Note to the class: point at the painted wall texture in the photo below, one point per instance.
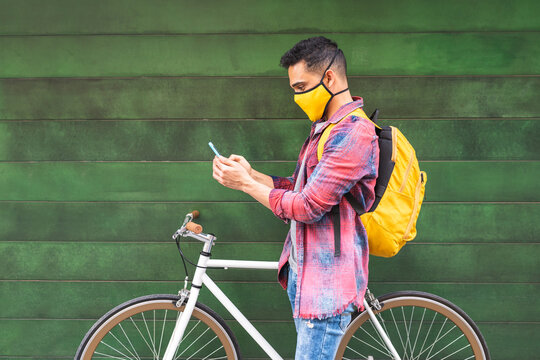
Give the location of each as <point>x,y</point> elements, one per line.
<point>106,108</point>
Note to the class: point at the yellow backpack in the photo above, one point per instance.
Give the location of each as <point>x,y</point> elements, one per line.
<point>399,192</point>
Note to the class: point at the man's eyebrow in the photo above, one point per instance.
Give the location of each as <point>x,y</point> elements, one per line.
<point>298,83</point>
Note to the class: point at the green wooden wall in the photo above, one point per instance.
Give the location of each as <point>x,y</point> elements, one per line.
<point>106,107</point>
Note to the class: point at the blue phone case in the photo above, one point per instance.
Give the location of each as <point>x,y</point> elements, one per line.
<point>213,148</point>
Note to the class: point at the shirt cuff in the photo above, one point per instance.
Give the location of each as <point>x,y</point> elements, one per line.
<point>281,182</point>
<point>275,198</point>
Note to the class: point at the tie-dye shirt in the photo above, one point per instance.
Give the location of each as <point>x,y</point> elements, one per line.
<point>327,284</point>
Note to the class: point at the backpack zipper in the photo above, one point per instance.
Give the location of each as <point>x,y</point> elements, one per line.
<point>415,207</point>
<point>394,144</point>
<point>409,166</point>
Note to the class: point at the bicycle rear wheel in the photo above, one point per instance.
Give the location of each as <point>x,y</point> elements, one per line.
<point>141,329</point>
<point>421,326</point>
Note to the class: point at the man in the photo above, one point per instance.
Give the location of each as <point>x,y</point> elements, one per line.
<point>323,283</point>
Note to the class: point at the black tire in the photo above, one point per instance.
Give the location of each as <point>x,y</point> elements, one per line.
<point>420,325</point>
<point>117,335</point>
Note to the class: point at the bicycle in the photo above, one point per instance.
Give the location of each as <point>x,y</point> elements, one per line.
<point>400,325</point>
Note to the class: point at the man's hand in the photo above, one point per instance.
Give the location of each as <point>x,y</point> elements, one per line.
<point>257,176</point>
<point>242,161</point>
<point>233,174</point>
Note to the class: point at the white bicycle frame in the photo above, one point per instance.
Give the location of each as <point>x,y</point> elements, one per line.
<point>201,278</point>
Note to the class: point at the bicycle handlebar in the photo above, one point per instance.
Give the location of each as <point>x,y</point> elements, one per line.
<point>196,228</point>
<point>193,230</point>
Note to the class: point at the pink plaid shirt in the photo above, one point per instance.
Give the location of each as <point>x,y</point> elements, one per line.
<point>327,284</point>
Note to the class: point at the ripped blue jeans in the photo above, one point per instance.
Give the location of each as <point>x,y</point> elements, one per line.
<point>317,339</point>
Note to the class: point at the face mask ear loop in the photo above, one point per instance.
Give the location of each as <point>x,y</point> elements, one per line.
<point>342,91</point>
<point>328,67</point>
<point>332,95</point>
<point>331,62</point>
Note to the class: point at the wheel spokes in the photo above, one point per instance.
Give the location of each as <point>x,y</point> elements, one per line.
<point>147,336</point>
<point>422,333</point>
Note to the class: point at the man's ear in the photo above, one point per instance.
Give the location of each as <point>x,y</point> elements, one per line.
<point>331,77</point>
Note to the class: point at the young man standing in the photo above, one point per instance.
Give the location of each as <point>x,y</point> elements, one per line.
<point>324,276</point>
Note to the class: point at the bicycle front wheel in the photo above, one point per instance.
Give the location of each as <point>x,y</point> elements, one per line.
<point>420,325</point>
<point>141,329</point>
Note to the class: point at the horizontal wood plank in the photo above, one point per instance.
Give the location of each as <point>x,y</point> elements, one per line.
<point>505,340</point>
<point>256,140</point>
<point>241,16</point>
<point>64,336</point>
<point>241,222</point>
<point>398,97</point>
<point>161,261</point>
<point>493,53</point>
<point>89,300</point>
<point>192,181</point>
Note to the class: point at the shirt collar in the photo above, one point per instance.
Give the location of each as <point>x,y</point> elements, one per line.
<point>343,111</point>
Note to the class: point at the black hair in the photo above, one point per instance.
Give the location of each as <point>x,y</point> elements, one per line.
<point>317,52</point>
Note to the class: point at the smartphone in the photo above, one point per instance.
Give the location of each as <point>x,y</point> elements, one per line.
<point>213,148</point>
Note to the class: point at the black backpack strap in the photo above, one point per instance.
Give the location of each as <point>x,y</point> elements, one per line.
<point>354,203</point>
<point>336,220</point>
<point>375,116</point>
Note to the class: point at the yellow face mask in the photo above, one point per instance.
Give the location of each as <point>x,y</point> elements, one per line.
<point>315,100</point>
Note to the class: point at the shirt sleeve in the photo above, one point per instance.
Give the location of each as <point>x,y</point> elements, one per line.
<point>286,183</point>
<point>349,155</point>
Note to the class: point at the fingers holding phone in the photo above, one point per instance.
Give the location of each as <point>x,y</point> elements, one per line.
<point>242,161</point>
<point>230,173</point>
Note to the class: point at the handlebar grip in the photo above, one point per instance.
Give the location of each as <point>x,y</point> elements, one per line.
<point>195,213</point>
<point>196,228</point>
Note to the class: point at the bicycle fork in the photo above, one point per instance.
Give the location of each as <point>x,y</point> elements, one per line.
<point>376,323</point>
